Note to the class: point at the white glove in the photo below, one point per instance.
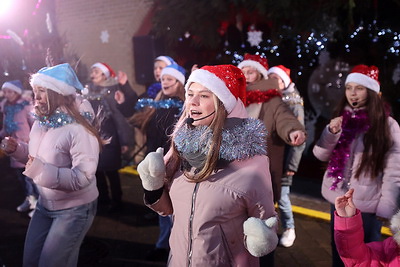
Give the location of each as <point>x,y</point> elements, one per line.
<point>260,236</point>
<point>152,170</point>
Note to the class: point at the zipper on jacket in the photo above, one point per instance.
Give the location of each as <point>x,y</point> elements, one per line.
<point>190,249</point>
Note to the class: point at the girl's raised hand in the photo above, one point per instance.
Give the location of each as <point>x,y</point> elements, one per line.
<point>344,205</point>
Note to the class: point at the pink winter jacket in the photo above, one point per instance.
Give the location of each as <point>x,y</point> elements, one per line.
<point>379,195</point>
<point>208,216</point>
<point>349,238</point>
<point>65,164</point>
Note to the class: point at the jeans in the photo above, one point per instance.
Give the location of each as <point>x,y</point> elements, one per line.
<point>165,224</point>
<point>30,188</point>
<point>54,237</point>
<point>285,207</point>
<point>372,232</point>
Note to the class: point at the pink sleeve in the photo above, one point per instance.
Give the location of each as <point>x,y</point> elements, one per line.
<point>349,239</point>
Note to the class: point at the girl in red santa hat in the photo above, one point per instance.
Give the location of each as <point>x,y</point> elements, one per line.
<point>362,146</point>
<point>349,237</point>
<point>101,93</point>
<point>219,218</point>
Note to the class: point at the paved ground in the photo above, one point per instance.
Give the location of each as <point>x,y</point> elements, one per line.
<point>123,239</point>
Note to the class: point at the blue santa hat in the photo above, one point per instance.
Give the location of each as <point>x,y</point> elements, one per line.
<point>14,85</point>
<point>168,60</point>
<point>175,71</point>
<point>60,79</point>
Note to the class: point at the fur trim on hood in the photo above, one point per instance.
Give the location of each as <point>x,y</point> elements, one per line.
<point>395,227</point>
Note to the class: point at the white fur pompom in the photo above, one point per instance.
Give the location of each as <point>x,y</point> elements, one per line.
<point>395,227</point>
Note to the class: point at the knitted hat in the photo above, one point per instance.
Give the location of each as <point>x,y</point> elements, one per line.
<point>14,85</point>
<point>227,82</point>
<point>175,71</point>
<point>366,76</point>
<point>256,61</point>
<point>283,73</point>
<point>106,69</point>
<point>60,79</point>
<point>166,59</point>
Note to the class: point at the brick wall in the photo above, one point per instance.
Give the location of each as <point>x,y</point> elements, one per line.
<point>81,22</point>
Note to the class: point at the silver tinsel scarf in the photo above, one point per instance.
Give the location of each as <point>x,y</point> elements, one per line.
<point>245,139</point>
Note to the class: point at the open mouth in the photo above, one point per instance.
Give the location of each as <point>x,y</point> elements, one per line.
<point>195,113</point>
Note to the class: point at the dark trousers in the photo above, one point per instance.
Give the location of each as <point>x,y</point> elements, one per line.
<point>267,260</point>
<point>106,180</point>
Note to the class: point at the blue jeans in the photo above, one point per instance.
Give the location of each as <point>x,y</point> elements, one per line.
<point>285,207</point>
<point>165,224</point>
<point>30,188</point>
<point>54,237</point>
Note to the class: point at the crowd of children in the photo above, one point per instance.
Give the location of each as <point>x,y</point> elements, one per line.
<point>221,146</point>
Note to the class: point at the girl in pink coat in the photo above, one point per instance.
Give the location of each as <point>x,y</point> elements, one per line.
<point>215,179</point>
<point>349,237</point>
<point>362,147</point>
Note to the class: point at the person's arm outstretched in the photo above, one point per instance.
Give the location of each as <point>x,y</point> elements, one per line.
<point>349,235</point>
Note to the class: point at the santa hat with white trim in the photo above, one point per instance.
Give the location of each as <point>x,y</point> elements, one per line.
<point>60,79</point>
<point>175,71</point>
<point>14,85</point>
<point>105,68</point>
<point>366,76</point>
<point>227,82</point>
<point>168,60</point>
<point>282,72</point>
<point>256,61</point>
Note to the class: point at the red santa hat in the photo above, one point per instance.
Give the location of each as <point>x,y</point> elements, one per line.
<point>106,69</point>
<point>256,61</point>
<point>366,76</point>
<point>283,73</point>
<point>227,82</point>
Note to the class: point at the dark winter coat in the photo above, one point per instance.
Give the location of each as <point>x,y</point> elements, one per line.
<point>113,124</point>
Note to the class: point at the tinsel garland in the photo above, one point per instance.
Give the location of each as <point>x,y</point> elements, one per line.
<point>153,90</point>
<point>257,96</point>
<point>59,119</point>
<point>10,125</point>
<point>239,142</point>
<point>166,103</point>
<point>354,123</point>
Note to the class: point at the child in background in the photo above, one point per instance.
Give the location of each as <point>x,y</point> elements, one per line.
<point>159,64</point>
<point>156,119</point>
<point>17,123</point>
<point>291,96</point>
<point>101,95</point>
<point>349,237</point>
<point>362,145</point>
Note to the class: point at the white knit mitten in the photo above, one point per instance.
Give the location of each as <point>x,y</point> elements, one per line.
<point>260,236</point>
<point>152,170</point>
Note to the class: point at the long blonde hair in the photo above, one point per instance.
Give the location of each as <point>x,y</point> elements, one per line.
<point>211,161</point>
<point>56,100</point>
